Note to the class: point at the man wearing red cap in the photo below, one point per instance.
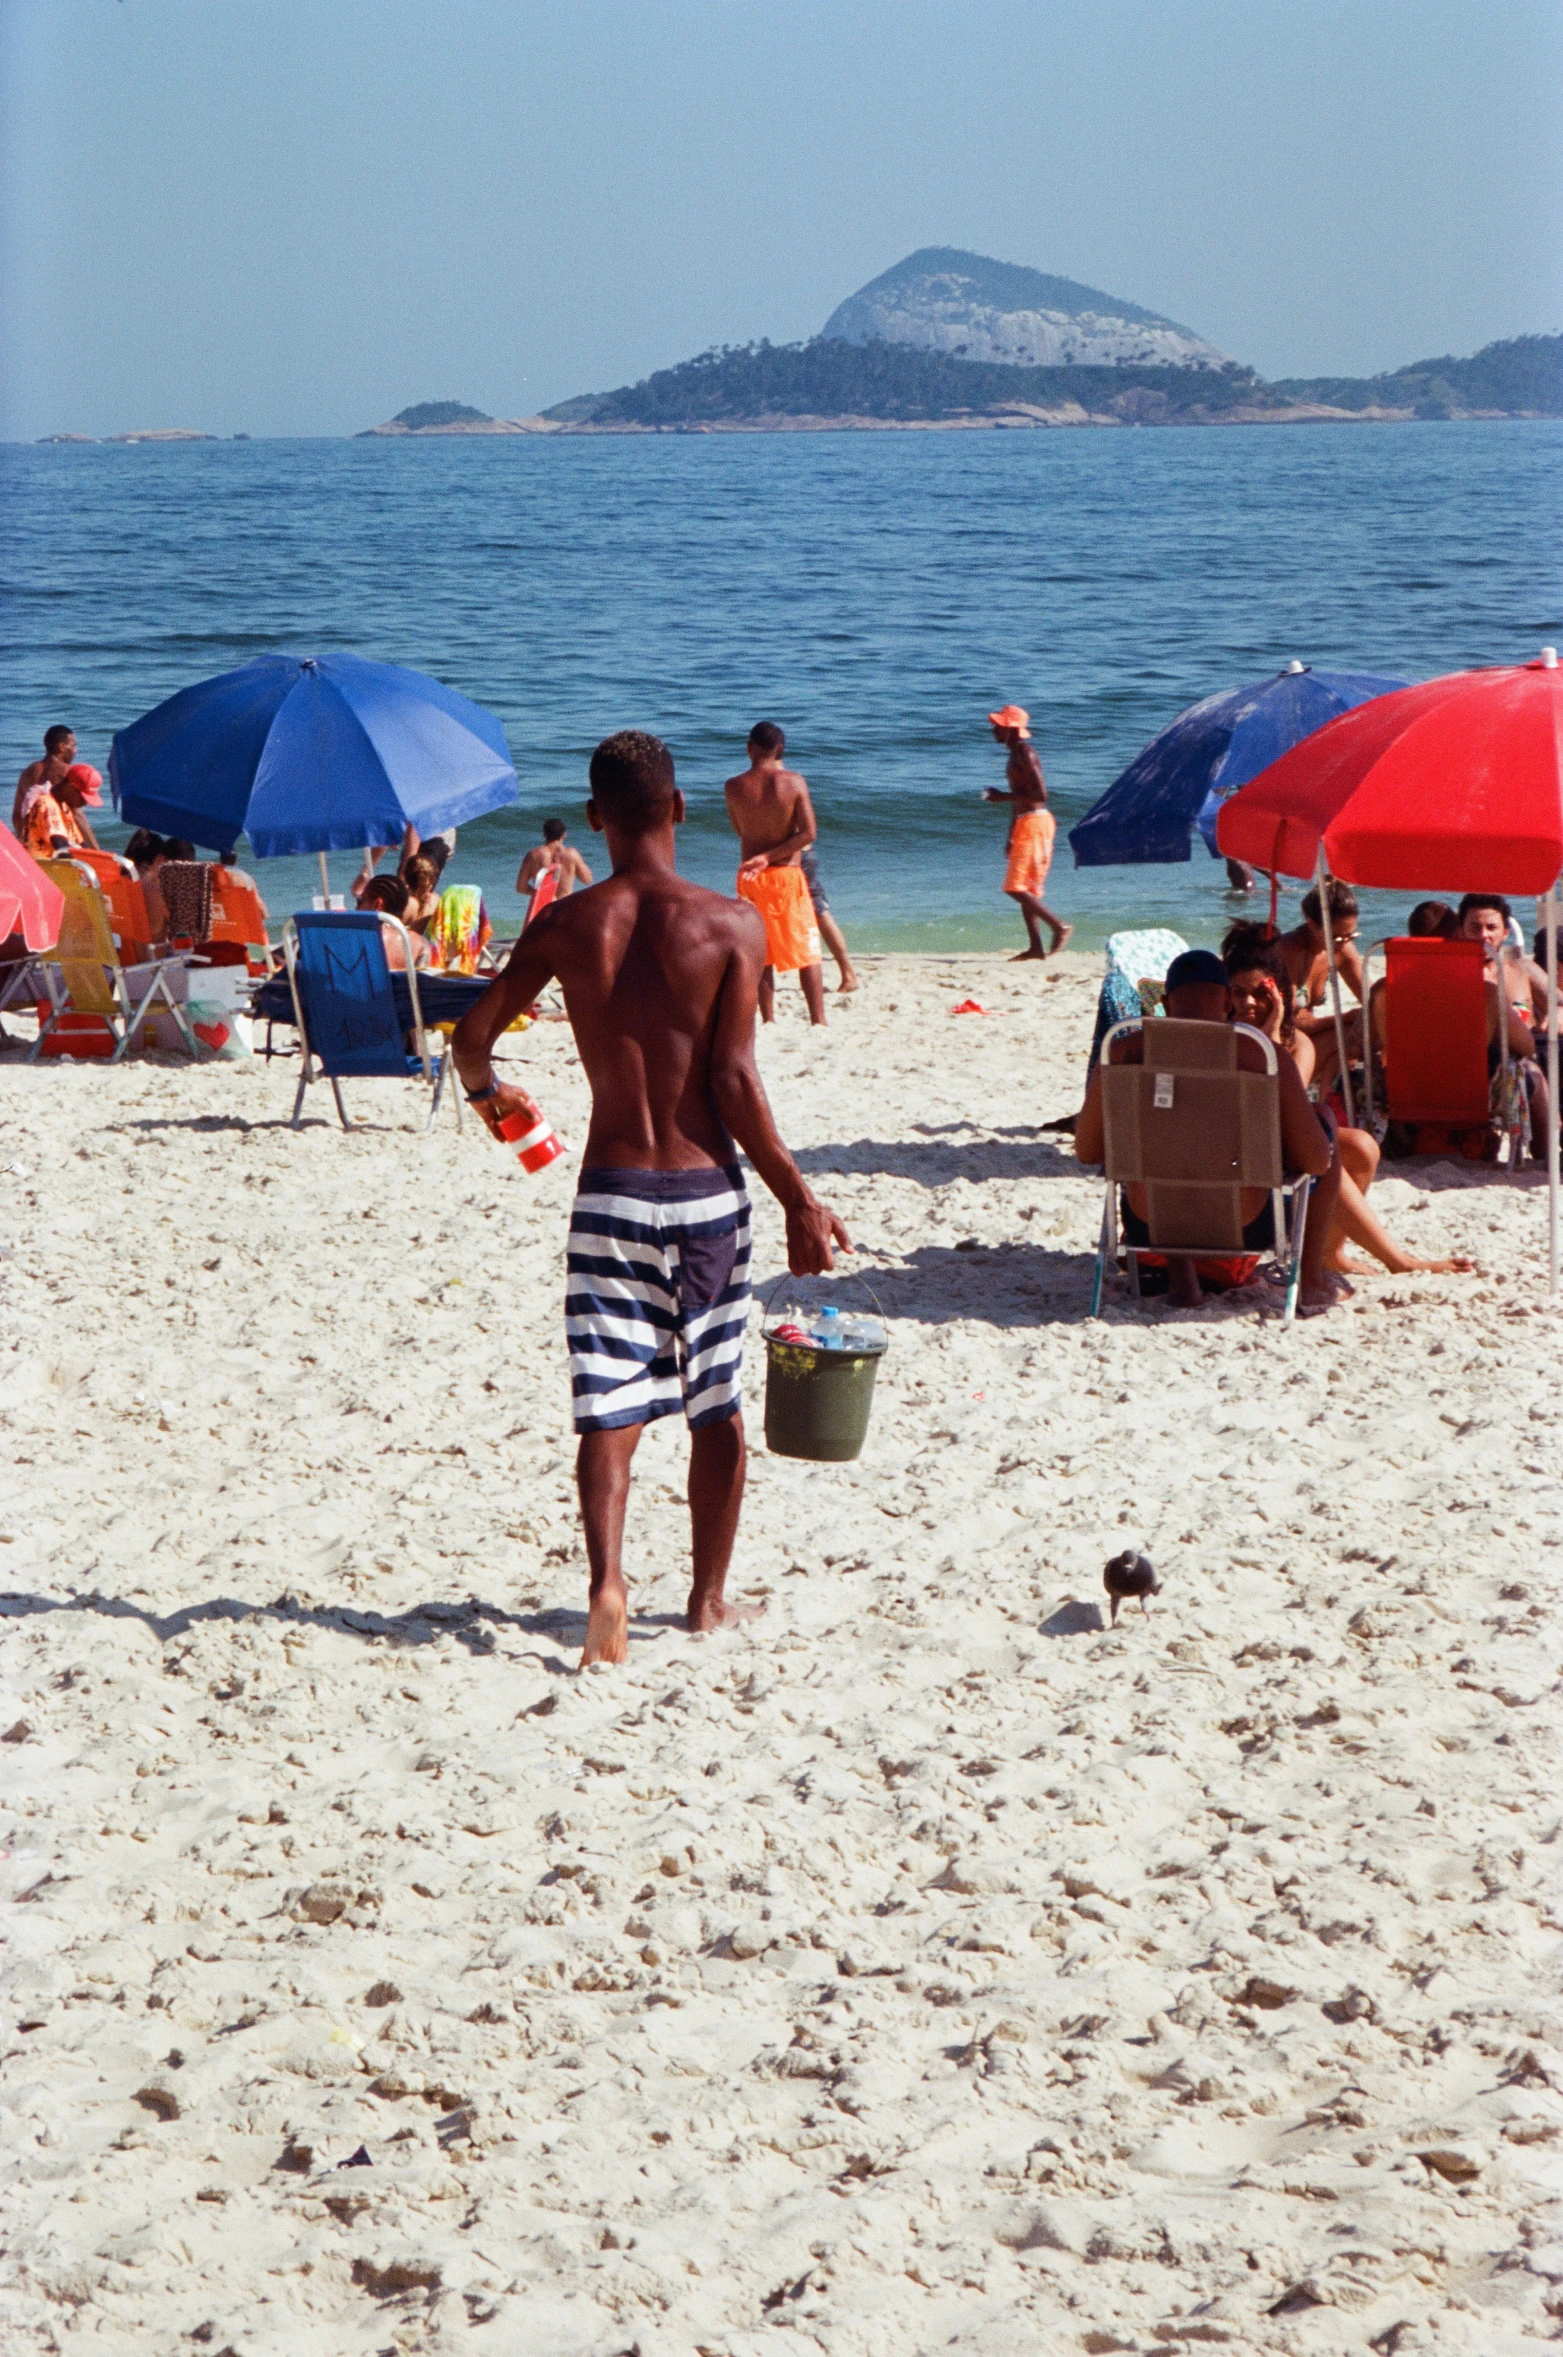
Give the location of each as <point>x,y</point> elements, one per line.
<point>1031,830</point>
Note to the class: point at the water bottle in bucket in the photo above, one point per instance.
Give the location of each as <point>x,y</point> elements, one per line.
<point>820,1364</point>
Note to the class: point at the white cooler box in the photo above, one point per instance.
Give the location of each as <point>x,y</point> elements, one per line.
<point>216,1000</point>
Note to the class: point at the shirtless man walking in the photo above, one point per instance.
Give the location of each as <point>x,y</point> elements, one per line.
<point>773,819</point>
<point>553,852</point>
<point>1031,832</point>
<point>660,980</point>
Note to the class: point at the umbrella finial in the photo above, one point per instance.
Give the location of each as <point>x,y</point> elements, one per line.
<point>1293,667</point>
<point>1549,658</point>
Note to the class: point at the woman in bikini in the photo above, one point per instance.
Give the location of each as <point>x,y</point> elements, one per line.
<point>1262,996</point>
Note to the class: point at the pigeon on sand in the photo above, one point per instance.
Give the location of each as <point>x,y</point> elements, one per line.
<point>1129,1575</point>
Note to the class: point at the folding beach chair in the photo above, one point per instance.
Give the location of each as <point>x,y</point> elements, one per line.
<point>1195,1130</point>
<point>127,906</point>
<point>345,1007</point>
<point>1436,1073</point>
<point>83,974</point>
<point>239,916</point>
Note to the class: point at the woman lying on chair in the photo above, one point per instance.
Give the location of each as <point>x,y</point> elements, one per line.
<point>1197,992</point>
<point>1261,989</point>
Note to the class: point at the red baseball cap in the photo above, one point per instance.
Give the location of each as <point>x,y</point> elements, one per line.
<point>88,781</point>
<point>1012,716</point>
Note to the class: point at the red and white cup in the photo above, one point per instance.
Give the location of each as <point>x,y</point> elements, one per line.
<point>536,1146</point>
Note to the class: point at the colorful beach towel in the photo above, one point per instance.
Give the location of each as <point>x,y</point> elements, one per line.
<point>459,930</point>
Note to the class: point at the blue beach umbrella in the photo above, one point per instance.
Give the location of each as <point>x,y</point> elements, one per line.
<point>313,753</point>
<point>1148,815</point>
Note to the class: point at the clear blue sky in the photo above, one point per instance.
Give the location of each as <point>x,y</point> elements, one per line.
<point>295,216</point>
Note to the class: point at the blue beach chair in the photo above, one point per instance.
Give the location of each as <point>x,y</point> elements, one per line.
<point>345,1006</point>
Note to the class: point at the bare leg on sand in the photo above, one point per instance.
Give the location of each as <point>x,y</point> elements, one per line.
<point>813,981</point>
<point>836,942</point>
<point>717,1461</point>
<point>602,1477</point>
<point>1037,914</point>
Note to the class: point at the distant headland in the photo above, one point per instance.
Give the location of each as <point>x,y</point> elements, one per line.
<point>950,339</point>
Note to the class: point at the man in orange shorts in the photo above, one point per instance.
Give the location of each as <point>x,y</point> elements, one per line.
<point>1031,830</point>
<point>773,819</point>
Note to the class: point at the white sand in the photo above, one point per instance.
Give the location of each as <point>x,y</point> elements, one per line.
<point>925,1969</point>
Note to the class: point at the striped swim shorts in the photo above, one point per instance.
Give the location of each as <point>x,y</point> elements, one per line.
<point>657,1296</point>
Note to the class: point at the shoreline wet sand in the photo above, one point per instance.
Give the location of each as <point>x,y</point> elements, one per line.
<point>924,1966</point>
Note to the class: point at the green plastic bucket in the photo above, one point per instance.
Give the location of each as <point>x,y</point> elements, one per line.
<point>818,1402</point>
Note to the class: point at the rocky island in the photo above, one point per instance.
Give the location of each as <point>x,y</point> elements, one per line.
<point>954,340</point>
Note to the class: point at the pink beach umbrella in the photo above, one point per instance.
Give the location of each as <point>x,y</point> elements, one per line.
<point>29,903</point>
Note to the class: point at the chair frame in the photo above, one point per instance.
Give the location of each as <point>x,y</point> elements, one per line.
<point>48,967</point>
<point>1293,1191</point>
<point>435,1066</point>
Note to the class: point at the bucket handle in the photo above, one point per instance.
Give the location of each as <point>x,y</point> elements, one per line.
<point>854,1275</point>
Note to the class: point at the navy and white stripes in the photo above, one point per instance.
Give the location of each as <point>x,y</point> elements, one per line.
<point>657,1295</point>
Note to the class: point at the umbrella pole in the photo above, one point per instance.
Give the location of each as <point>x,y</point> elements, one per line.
<point>325,880</point>
<point>1321,878</point>
<point>1549,918</point>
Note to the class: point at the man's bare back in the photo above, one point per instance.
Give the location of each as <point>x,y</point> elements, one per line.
<point>661,982</point>
<point>567,863</point>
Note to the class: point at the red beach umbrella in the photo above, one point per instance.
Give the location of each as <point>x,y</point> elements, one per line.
<point>1457,778</point>
<point>29,903</point>
<point>1460,779</point>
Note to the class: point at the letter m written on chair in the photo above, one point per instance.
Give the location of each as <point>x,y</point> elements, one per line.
<point>352,1014</point>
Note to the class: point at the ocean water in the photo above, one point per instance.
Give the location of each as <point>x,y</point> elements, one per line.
<point>875,593</point>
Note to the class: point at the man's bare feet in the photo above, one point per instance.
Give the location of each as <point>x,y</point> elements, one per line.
<point>706,1613</point>
<point>849,981</point>
<point>607,1629</point>
<point>1025,957</point>
<point>1059,938</point>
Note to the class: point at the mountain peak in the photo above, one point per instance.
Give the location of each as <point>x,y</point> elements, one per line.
<point>941,299</point>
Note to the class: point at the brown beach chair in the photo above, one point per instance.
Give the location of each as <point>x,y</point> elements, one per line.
<point>1195,1130</point>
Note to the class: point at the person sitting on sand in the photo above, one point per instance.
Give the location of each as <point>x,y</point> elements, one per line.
<point>1261,989</point>
<point>1197,991</point>
<point>1031,832</point>
<point>770,812</point>
<point>661,980</point>
<point>388,895</point>
<point>556,854</point>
